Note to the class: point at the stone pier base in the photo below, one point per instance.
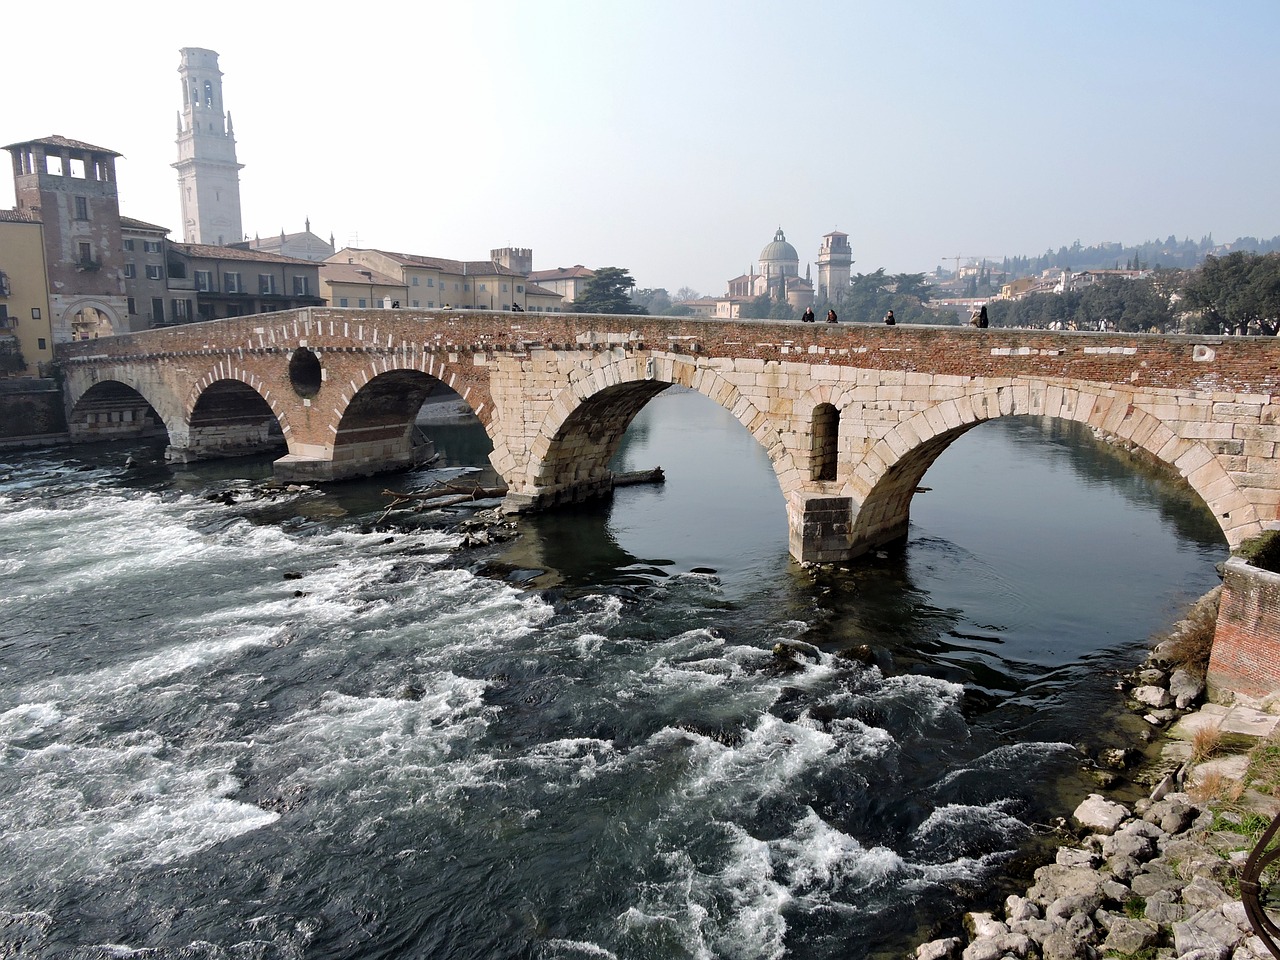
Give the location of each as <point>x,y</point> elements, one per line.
<point>821,527</point>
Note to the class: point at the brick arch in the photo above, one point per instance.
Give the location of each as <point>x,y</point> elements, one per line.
<point>887,477</point>
<point>383,409</point>
<point>230,411</point>
<point>569,457</point>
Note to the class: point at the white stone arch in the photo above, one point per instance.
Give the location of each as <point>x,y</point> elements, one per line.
<point>69,310</point>
<point>81,379</point>
<point>538,474</point>
<point>886,478</point>
<point>840,396</point>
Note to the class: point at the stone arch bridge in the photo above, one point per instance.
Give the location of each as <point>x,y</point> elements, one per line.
<point>851,416</point>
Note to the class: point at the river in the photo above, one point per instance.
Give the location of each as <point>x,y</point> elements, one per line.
<point>237,725</point>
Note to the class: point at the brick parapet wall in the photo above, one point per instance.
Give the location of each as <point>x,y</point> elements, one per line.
<point>1245,660</point>
<point>1205,365</point>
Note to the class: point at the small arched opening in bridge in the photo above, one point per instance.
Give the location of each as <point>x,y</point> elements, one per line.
<point>719,505</point>
<point>231,419</point>
<point>825,442</point>
<point>111,410</point>
<point>394,421</point>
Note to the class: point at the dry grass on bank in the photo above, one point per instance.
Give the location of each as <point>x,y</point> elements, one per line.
<point>1190,644</point>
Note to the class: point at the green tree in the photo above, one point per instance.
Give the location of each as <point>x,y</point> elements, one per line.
<point>1238,293</point>
<point>657,301</point>
<point>756,309</point>
<point>607,291</point>
<point>910,285</point>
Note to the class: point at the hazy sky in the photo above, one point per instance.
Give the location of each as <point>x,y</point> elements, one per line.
<point>673,137</point>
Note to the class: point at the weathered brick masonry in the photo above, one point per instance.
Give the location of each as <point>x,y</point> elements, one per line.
<point>1246,644</point>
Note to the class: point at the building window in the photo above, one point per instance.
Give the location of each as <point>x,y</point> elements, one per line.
<point>466,287</point>
<point>482,287</point>
<point>504,288</point>
<point>231,283</point>
<point>342,301</point>
<point>300,287</point>
<point>86,253</point>
<point>151,246</point>
<point>266,283</point>
<point>82,208</point>
<point>431,281</point>
<point>155,271</point>
<point>40,344</point>
<point>181,309</point>
<point>519,288</point>
<point>361,303</point>
<point>130,271</point>
<point>416,304</point>
<point>415,281</point>
<point>431,304</point>
<point>204,280</point>
<point>128,244</point>
<point>133,307</point>
<point>35,313</point>
<point>157,310</point>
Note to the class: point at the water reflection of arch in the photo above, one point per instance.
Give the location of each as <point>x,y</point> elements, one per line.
<point>890,472</point>
<point>569,457</point>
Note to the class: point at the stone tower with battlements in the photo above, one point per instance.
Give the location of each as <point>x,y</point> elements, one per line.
<point>208,174</point>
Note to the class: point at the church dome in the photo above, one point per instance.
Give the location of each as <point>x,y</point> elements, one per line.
<point>779,250</point>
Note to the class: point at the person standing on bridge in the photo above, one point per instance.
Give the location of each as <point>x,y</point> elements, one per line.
<point>889,319</point>
<point>807,316</point>
<point>831,316</point>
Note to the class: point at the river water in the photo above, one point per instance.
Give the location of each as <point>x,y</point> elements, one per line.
<point>237,725</point>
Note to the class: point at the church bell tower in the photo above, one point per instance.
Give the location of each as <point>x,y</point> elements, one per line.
<point>208,174</point>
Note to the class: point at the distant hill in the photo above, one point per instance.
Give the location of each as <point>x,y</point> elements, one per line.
<point>1151,255</point>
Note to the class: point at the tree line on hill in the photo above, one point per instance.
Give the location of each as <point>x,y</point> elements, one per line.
<point>1234,294</point>
<point>1168,254</point>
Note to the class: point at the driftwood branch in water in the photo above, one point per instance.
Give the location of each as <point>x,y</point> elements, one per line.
<point>447,493</point>
<point>639,476</point>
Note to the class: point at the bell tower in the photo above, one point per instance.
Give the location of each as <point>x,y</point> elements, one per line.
<point>835,261</point>
<point>208,174</point>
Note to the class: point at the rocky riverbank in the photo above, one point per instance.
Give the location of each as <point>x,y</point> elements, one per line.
<point>1157,880</point>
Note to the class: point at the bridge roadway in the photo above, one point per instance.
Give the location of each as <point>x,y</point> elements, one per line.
<point>851,415</point>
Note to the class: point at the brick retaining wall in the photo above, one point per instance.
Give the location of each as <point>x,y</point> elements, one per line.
<point>1246,645</point>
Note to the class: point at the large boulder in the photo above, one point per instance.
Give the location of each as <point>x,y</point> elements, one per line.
<point>1129,936</point>
<point>1100,814</point>
<point>944,949</point>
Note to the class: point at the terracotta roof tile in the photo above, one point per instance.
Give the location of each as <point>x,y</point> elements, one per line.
<point>212,252</point>
<point>57,140</point>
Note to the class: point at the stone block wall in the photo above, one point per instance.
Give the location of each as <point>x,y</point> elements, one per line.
<point>30,409</point>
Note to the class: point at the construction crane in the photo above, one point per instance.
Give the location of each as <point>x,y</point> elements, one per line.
<point>959,256</point>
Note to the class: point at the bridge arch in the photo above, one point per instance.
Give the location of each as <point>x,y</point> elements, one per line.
<point>376,431</point>
<point>887,477</point>
<point>112,409</point>
<point>569,457</point>
<point>230,412</point>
